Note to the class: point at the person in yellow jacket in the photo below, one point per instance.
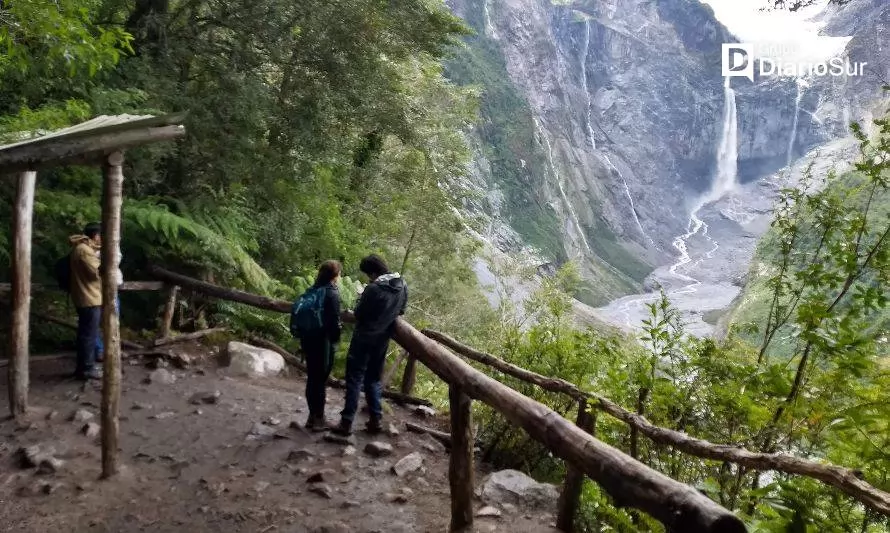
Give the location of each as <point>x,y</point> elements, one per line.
<point>86,293</point>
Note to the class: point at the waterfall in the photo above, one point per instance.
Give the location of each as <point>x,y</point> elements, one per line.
<point>724,182</point>
<point>573,217</point>
<point>799,83</point>
<point>630,199</point>
<point>728,152</point>
<point>590,136</point>
<point>486,14</point>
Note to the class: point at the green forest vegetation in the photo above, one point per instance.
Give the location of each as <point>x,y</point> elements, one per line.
<point>322,129</point>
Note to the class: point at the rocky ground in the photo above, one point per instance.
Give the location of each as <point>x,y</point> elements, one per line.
<point>208,451</point>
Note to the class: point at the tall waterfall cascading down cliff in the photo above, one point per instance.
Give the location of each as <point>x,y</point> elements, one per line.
<point>724,182</point>
<point>574,227</point>
<point>799,83</point>
<point>584,81</point>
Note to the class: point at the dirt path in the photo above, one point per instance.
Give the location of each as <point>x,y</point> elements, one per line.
<point>203,467</point>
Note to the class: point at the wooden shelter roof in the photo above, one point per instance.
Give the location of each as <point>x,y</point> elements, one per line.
<point>89,141</point>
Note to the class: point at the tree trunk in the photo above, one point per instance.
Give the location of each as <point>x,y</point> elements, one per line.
<point>112,199</point>
<point>22,221</point>
<point>461,467</point>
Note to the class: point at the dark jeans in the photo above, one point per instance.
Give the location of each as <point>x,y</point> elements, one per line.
<point>88,319</point>
<point>319,362</point>
<point>364,365</point>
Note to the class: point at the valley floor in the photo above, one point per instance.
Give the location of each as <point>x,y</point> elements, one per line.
<point>226,466</point>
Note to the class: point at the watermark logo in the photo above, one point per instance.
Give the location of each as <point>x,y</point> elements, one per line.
<point>739,60</point>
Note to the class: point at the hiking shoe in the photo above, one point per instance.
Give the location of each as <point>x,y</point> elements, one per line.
<point>344,428</point>
<point>374,426</point>
<point>316,424</point>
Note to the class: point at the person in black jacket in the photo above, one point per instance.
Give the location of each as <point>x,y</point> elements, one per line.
<point>319,349</point>
<point>382,301</point>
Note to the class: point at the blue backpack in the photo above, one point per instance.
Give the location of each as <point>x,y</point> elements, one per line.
<point>306,315</point>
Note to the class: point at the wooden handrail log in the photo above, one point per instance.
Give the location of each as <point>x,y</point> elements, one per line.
<point>630,483</point>
<point>844,479</point>
<point>261,302</point>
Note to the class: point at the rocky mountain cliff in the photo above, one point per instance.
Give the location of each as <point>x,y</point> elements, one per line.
<point>602,121</point>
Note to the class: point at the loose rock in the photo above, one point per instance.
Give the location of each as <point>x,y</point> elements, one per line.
<point>138,406</point>
<point>322,490</point>
<point>392,430</point>
<point>250,361</point>
<point>514,487</point>
<point>410,463</point>
<point>81,415</point>
<point>348,451</point>
<point>295,456</point>
<point>424,411</point>
<point>378,449</point>
<point>91,430</point>
<point>32,456</point>
<point>49,466</point>
<point>162,376</point>
<point>162,416</point>
<point>488,512</point>
<point>208,398</point>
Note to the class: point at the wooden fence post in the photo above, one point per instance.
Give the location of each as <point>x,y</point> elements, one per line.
<point>461,468</point>
<point>410,375</point>
<point>112,198</point>
<point>169,310</point>
<point>391,371</point>
<point>574,482</point>
<point>22,219</point>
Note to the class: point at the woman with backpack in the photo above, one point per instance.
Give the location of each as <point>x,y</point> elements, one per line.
<point>315,320</point>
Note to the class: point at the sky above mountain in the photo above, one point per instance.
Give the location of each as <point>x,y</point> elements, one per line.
<point>791,37</point>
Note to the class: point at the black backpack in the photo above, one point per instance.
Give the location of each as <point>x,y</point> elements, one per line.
<point>63,273</point>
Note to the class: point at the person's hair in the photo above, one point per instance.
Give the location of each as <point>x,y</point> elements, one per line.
<point>327,272</point>
<point>373,265</point>
<point>92,229</point>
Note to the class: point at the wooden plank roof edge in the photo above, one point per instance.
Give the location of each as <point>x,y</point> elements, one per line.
<point>95,126</point>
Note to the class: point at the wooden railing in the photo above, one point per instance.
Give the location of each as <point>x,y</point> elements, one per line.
<point>629,482</point>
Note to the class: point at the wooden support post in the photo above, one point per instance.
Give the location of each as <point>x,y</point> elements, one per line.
<point>461,467</point>
<point>410,375</point>
<point>574,482</point>
<point>112,198</point>
<point>169,310</point>
<point>391,371</point>
<point>22,219</point>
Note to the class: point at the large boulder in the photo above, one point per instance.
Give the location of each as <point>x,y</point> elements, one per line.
<point>515,488</point>
<point>247,360</point>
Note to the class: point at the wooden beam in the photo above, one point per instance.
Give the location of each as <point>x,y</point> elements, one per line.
<point>112,199</point>
<point>630,483</point>
<point>391,371</point>
<point>169,310</point>
<point>69,324</point>
<point>188,336</point>
<point>409,377</point>
<point>22,222</point>
<point>210,289</point>
<point>461,467</point>
<point>86,149</point>
<point>126,286</point>
<point>570,497</point>
<point>844,479</point>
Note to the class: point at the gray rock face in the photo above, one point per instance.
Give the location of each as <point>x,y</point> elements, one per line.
<point>514,487</point>
<point>626,108</point>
